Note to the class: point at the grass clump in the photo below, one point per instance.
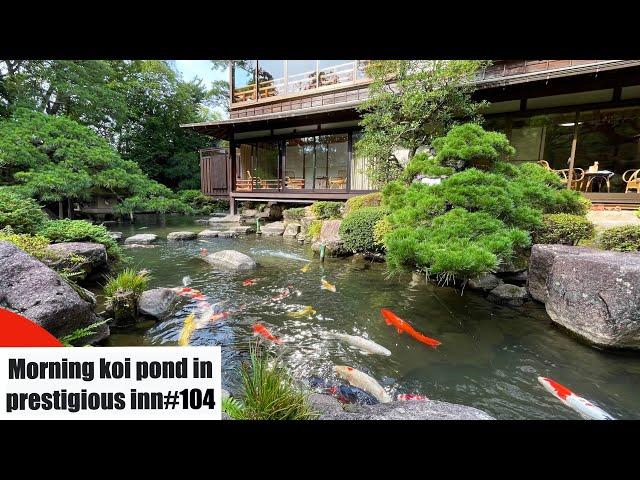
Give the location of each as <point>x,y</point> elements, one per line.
<point>294,214</point>
<point>357,229</point>
<point>327,210</point>
<point>563,228</point>
<point>625,238</point>
<point>268,391</point>
<point>128,280</point>
<point>361,201</point>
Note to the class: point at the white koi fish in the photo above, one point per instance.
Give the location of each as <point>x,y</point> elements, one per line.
<point>364,345</point>
<point>186,280</point>
<point>363,381</point>
<point>581,405</point>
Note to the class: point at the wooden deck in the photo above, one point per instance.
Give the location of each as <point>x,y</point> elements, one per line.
<point>621,201</point>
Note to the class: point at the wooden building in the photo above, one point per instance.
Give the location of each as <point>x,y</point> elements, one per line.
<point>293,124</point>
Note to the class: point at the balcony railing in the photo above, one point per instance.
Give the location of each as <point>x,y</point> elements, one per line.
<point>291,83</point>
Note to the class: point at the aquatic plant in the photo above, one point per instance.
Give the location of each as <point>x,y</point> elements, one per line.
<point>22,214</point>
<point>34,245</point>
<point>269,392</point>
<point>625,238</point>
<point>563,228</point>
<point>327,210</point>
<point>81,231</point>
<point>357,229</point>
<point>80,333</point>
<point>369,200</point>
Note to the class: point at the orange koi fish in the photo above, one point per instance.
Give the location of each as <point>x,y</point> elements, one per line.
<point>259,329</point>
<point>249,281</point>
<point>198,296</point>
<point>391,318</point>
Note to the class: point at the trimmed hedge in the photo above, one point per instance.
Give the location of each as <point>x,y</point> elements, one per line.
<point>357,229</point>
<point>621,239</point>
<point>563,228</point>
<point>361,201</point>
<point>327,210</point>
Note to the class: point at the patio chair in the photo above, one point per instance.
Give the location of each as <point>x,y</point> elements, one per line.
<point>630,177</point>
<point>576,180</point>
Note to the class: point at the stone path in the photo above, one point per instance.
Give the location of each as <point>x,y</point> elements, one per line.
<point>610,218</point>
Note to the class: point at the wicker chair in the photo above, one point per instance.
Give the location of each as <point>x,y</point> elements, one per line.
<point>576,180</point>
<point>630,177</point>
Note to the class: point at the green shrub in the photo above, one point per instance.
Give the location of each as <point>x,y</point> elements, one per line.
<point>294,214</point>
<point>380,230</point>
<point>34,245</point>
<point>621,239</point>
<point>357,229</point>
<point>425,165</point>
<point>470,145</point>
<point>22,214</point>
<point>313,232</point>
<point>128,280</point>
<point>361,201</point>
<point>200,203</point>
<point>563,228</point>
<point>269,392</point>
<point>80,231</point>
<point>327,210</point>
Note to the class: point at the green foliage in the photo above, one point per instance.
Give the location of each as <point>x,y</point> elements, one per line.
<point>294,214</point>
<point>456,244</point>
<point>625,238</point>
<point>200,203</point>
<point>80,231</point>
<point>34,245</point>
<point>233,408</point>
<point>327,210</point>
<point>23,215</point>
<point>357,229</point>
<point>313,231</point>
<point>563,228</point>
<point>427,98</point>
<point>269,392</point>
<point>129,280</point>
<point>423,164</point>
<point>470,145</point>
<point>80,333</point>
<point>361,201</point>
<point>380,231</point>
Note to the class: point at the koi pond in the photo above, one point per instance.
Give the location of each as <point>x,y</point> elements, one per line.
<point>490,356</point>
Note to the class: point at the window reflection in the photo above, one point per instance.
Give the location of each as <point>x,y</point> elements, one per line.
<point>301,75</point>
<point>270,78</point>
<point>244,80</point>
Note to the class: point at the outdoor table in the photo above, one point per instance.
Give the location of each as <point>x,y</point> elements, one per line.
<point>599,177</point>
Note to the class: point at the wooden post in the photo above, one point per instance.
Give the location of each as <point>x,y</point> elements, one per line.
<point>572,158</point>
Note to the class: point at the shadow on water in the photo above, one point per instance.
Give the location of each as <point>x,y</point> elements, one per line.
<point>489,358</point>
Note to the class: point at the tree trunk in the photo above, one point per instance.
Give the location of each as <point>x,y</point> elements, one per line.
<point>412,152</point>
<point>60,210</point>
<point>70,208</point>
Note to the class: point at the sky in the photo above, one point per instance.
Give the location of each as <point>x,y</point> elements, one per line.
<point>202,69</point>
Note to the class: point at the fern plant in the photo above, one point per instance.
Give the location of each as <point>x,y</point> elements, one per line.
<point>233,408</point>
<point>80,333</point>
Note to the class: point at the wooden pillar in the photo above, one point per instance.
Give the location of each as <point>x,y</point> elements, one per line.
<point>572,158</point>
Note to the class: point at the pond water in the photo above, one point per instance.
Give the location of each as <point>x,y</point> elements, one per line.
<point>490,355</point>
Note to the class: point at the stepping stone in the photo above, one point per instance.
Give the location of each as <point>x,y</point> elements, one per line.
<point>208,233</point>
<point>274,229</point>
<point>244,230</point>
<point>141,238</point>
<point>227,234</point>
<point>179,236</point>
<point>117,236</point>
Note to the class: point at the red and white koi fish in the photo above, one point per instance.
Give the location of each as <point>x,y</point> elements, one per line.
<point>285,293</point>
<point>363,381</point>
<point>185,291</point>
<point>391,318</point>
<point>249,281</point>
<point>259,329</point>
<point>581,405</point>
<point>198,296</point>
<point>203,251</point>
<point>405,397</point>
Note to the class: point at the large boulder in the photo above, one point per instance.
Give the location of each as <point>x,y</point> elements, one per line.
<point>274,229</point>
<point>141,239</point>
<point>93,256</point>
<point>117,236</point>
<point>484,282</point>
<point>330,409</point>
<point>291,230</point>
<point>593,293</point>
<point>157,303</point>
<point>208,233</point>
<point>507,294</point>
<point>244,229</point>
<point>330,238</point>
<point>30,288</point>
<point>230,259</point>
<point>180,236</point>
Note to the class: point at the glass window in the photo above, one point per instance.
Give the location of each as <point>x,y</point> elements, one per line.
<point>332,157</point>
<point>332,72</point>
<point>609,143</point>
<point>299,163</point>
<point>359,178</point>
<point>266,164</point>
<point>270,78</point>
<point>301,75</point>
<point>244,160</point>
<point>244,80</point>
<point>544,137</point>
